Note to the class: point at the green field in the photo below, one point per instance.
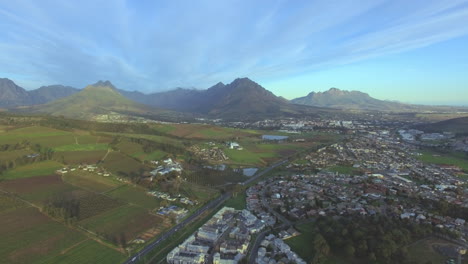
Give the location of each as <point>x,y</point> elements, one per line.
<point>238,202</point>
<point>34,169</point>
<point>82,147</point>
<point>456,159</point>
<point>128,220</point>
<point>88,251</point>
<point>136,196</point>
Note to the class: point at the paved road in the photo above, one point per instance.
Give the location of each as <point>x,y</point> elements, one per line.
<point>254,250</point>
<point>135,258</point>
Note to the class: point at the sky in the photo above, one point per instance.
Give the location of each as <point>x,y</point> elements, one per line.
<point>411,51</point>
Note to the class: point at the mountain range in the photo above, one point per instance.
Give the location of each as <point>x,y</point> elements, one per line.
<point>240,99</point>
<point>12,95</point>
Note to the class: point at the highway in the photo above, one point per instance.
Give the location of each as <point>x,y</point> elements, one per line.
<point>213,204</point>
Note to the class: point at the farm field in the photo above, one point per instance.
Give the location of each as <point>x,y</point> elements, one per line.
<point>121,164</point>
<point>90,181</point>
<point>88,251</point>
<point>126,220</point>
<point>30,237</point>
<point>136,196</point>
<point>33,170</point>
<point>37,189</point>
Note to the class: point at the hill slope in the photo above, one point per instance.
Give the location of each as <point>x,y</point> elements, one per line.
<point>336,98</point>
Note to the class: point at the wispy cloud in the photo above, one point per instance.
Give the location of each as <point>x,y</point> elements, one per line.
<point>157,45</point>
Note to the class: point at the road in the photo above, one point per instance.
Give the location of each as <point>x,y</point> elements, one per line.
<point>213,204</point>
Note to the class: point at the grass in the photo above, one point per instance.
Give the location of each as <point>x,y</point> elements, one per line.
<point>456,159</point>
<point>238,202</point>
<point>89,251</point>
<point>34,169</point>
<point>80,147</point>
<point>136,196</point>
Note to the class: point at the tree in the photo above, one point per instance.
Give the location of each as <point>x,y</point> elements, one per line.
<point>349,250</point>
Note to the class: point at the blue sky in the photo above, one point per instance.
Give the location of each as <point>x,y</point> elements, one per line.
<point>411,51</point>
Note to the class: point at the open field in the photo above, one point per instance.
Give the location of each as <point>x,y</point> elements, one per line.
<point>30,237</point>
<point>90,181</point>
<point>119,163</point>
<point>32,170</point>
<point>136,196</point>
<point>456,159</point>
<point>88,251</point>
<point>125,220</point>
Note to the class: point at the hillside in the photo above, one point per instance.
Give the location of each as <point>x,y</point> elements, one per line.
<point>96,101</point>
<point>341,99</point>
<point>455,125</point>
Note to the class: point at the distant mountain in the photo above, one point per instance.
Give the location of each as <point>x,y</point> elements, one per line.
<point>241,99</point>
<point>50,93</point>
<point>95,102</point>
<point>12,95</point>
<point>341,99</point>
